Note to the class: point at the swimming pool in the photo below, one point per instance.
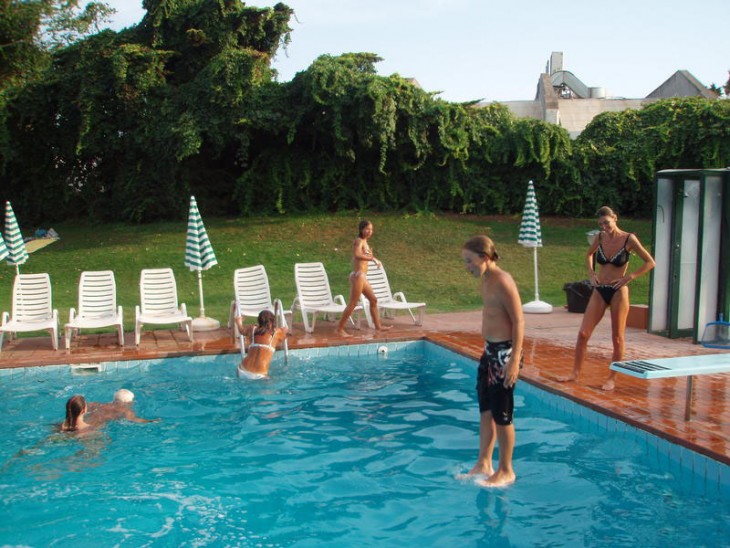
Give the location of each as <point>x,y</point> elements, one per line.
<point>341,447</point>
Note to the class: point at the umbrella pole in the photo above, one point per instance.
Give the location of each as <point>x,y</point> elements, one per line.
<point>200,290</point>
<point>537,306</point>
<point>537,291</point>
<point>203,323</point>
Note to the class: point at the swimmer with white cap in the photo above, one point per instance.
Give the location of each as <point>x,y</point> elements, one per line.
<point>119,408</point>
<point>123,396</point>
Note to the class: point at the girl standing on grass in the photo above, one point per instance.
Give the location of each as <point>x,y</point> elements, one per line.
<point>361,256</point>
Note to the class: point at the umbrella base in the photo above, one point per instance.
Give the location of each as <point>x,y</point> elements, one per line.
<point>537,307</point>
<point>203,323</point>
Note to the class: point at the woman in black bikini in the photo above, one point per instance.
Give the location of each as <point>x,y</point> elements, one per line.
<point>611,248</point>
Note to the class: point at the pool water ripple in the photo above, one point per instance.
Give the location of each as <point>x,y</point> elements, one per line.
<point>344,451</point>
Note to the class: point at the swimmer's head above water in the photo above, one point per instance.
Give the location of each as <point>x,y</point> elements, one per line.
<point>123,396</point>
<point>75,408</point>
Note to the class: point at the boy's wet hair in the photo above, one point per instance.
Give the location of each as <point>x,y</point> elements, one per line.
<point>482,246</point>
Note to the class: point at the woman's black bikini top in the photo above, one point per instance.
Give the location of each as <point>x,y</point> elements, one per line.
<point>619,259</point>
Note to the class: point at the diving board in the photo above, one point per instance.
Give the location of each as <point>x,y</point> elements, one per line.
<point>685,366</point>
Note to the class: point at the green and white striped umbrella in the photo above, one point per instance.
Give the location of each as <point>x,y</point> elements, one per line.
<point>530,234</point>
<point>17,254</point>
<point>3,249</point>
<point>199,254</point>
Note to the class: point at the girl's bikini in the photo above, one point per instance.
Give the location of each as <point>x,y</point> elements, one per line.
<point>264,345</point>
<point>243,372</point>
<point>607,291</point>
<point>358,273</point>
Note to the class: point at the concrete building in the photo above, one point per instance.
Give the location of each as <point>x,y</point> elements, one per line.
<point>563,99</point>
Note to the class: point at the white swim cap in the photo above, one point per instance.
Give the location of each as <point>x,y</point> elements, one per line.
<point>124,396</point>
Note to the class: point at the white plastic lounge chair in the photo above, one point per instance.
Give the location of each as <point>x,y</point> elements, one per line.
<point>158,292</point>
<point>32,308</point>
<point>251,294</point>
<point>97,305</point>
<point>686,366</point>
<point>314,295</point>
<point>387,301</point>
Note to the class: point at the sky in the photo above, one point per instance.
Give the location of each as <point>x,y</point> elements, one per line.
<point>496,50</point>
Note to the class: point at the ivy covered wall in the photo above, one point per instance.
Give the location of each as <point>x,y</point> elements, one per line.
<point>125,126</point>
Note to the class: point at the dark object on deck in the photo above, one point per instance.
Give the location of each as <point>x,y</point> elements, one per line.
<point>578,294</point>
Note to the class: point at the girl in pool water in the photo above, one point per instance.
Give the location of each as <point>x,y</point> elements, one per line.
<point>75,409</point>
<point>266,336</point>
<point>361,256</point>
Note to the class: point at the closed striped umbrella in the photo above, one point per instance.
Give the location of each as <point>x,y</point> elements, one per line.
<point>17,254</point>
<point>3,249</point>
<point>531,236</point>
<point>199,256</point>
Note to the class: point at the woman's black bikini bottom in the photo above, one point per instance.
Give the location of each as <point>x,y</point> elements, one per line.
<point>607,292</point>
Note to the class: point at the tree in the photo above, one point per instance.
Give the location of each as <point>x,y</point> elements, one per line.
<point>618,154</point>
<point>31,29</point>
<point>122,124</point>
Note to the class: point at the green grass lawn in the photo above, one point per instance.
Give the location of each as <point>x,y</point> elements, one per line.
<point>421,254</point>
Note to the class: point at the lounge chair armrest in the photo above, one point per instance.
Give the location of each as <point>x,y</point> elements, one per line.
<point>339,299</point>
<point>137,311</point>
<point>183,309</point>
<point>295,304</point>
<point>120,311</point>
<point>71,314</point>
<point>6,317</point>
<point>400,296</point>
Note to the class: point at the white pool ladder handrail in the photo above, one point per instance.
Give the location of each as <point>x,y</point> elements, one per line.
<point>241,338</point>
<point>281,322</point>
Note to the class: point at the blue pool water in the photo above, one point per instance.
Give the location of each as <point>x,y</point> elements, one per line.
<point>347,450</point>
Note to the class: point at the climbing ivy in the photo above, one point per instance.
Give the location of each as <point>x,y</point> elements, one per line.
<point>619,153</point>
<point>124,126</point>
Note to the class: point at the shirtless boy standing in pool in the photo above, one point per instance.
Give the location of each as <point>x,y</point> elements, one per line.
<point>503,331</point>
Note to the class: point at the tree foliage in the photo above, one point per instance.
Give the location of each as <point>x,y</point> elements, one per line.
<point>124,126</point>
<point>31,29</point>
<point>619,153</point>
